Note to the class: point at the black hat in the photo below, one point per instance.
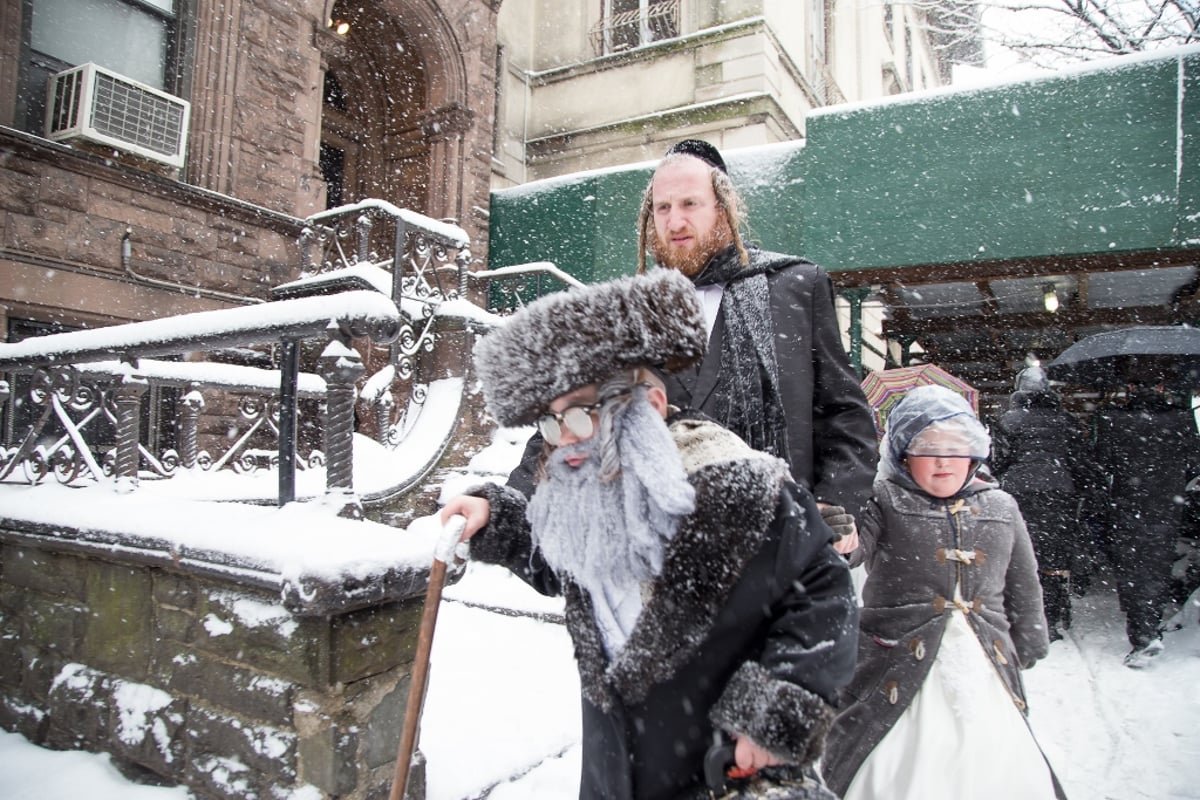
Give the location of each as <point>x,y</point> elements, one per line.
<point>581,336</point>
<point>701,150</point>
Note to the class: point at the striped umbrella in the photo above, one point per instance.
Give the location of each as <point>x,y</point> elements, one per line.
<point>885,388</point>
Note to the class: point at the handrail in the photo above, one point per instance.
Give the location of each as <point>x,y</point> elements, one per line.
<point>359,313</point>
<point>59,363</point>
<point>532,268</point>
<point>509,288</point>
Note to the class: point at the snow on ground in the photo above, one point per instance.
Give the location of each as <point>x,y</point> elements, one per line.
<point>502,715</point>
<point>1115,733</point>
<point>501,718</point>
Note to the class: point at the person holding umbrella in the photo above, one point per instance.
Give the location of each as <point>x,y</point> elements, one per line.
<point>708,609</point>
<point>1148,450</point>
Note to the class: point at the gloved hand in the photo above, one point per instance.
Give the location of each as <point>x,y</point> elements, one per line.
<point>836,518</point>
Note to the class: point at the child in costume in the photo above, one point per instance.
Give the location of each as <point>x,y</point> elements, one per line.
<point>952,611</point>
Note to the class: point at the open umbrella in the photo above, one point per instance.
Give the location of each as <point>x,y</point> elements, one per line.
<point>884,388</point>
<point>1143,354</point>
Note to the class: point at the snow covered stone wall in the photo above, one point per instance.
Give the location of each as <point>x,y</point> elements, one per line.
<point>205,674</point>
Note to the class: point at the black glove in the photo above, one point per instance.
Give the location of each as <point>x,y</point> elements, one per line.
<point>837,519</point>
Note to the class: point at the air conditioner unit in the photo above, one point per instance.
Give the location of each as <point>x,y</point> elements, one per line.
<point>93,103</point>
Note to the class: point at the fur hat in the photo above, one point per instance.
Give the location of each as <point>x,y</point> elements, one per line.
<point>582,336</point>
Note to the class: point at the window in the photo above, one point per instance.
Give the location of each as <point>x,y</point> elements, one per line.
<point>136,38</point>
<point>626,24</point>
<point>816,23</point>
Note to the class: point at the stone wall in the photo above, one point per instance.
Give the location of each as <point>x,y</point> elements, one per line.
<point>191,676</point>
<point>86,242</point>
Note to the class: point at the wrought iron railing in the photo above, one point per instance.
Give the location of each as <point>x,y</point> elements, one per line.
<point>340,248</point>
<point>629,29</point>
<point>80,404</point>
<point>80,389</point>
<point>76,404</point>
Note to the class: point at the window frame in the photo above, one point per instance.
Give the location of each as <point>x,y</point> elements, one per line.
<point>29,110</point>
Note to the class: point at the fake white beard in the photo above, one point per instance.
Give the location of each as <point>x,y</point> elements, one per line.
<point>612,533</point>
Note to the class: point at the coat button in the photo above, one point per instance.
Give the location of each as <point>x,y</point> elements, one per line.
<point>918,649</point>
<point>893,692</point>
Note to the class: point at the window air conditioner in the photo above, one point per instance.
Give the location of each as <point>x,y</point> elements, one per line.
<point>93,103</point>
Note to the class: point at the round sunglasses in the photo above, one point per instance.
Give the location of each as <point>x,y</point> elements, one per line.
<point>579,420</point>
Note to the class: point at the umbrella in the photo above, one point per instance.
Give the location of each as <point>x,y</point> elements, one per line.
<point>1143,354</point>
<point>885,388</point>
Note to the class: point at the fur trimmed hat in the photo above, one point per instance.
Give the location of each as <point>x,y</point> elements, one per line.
<point>582,336</point>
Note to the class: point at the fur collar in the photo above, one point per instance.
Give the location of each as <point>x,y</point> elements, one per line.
<point>737,491</point>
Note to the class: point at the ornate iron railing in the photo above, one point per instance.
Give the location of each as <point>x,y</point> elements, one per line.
<point>79,388</point>
<point>629,29</point>
<point>83,395</point>
<point>340,248</point>
<point>77,401</point>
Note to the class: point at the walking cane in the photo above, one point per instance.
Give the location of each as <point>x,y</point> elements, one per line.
<point>443,553</point>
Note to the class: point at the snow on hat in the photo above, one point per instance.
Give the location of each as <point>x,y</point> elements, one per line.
<point>582,336</point>
<point>701,150</point>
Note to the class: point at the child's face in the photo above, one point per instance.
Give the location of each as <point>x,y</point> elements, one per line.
<point>939,462</point>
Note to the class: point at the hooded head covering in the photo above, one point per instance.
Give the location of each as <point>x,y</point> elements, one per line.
<point>582,336</point>
<point>928,421</point>
<point>1032,379</point>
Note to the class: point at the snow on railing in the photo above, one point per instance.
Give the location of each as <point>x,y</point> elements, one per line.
<point>77,402</point>
<point>84,395</point>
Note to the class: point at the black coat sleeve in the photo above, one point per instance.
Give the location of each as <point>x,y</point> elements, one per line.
<point>831,430</point>
<point>524,475</point>
<point>783,698</point>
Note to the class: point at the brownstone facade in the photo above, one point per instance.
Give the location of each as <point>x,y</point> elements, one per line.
<point>92,236</point>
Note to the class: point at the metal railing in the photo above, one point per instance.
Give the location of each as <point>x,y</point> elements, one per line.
<point>77,405</point>
<point>629,29</point>
<point>85,381</point>
<point>511,288</point>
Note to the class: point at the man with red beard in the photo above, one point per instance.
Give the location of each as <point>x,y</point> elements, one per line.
<point>703,596</point>
<point>776,373</point>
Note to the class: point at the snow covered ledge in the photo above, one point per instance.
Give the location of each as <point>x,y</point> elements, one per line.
<point>240,650</point>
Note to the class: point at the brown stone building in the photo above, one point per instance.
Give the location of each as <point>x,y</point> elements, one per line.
<point>214,128</point>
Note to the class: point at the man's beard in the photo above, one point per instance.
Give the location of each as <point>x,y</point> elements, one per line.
<point>612,533</point>
<point>692,260</point>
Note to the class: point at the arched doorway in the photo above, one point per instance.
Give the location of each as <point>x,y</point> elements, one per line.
<point>371,143</point>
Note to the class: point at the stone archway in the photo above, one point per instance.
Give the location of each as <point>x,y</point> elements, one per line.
<point>395,113</point>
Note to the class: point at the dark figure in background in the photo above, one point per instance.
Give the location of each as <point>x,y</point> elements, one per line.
<point>1148,451</point>
<point>1039,457</point>
<point>1185,573</point>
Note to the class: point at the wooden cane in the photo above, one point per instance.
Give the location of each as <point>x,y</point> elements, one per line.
<point>420,670</point>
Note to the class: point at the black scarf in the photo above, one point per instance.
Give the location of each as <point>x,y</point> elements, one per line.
<point>748,400</point>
